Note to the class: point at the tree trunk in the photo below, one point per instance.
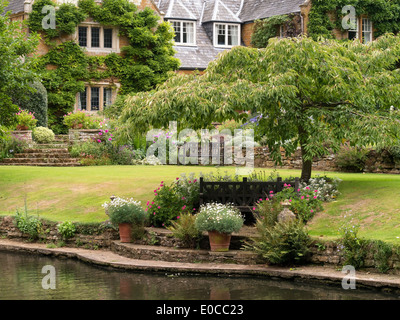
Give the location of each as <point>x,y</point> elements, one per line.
<point>306,164</point>
<point>305,169</point>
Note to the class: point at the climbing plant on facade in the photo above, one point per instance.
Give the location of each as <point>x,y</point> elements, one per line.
<point>327,15</point>
<point>145,62</point>
<point>266,29</point>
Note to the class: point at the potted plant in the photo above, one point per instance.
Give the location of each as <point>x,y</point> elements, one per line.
<point>126,214</point>
<point>26,120</point>
<point>220,220</point>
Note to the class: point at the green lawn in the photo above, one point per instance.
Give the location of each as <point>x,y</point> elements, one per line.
<point>77,193</point>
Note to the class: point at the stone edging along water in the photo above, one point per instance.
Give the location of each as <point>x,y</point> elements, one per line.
<point>108,259</point>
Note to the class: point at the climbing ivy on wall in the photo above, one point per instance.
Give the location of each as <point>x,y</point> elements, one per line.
<point>266,29</point>
<point>143,64</point>
<point>385,15</point>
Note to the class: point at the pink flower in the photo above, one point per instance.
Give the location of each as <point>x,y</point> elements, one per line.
<point>271,192</point>
<point>98,140</point>
<point>290,200</point>
<point>147,203</point>
<point>152,202</point>
<point>177,178</point>
<point>315,190</point>
<point>158,207</point>
<point>184,207</point>
<point>100,133</point>
<point>311,210</point>
<point>177,217</point>
<point>315,197</point>
<point>194,209</point>
<point>109,139</point>
<point>254,208</point>
<point>154,213</point>
<point>106,130</point>
<point>302,197</point>
<point>183,198</point>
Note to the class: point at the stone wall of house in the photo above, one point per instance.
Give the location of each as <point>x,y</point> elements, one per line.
<point>247,31</point>
<point>376,162</point>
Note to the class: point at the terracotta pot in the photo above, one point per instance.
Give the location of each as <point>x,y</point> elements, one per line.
<point>219,241</point>
<point>77,126</point>
<point>125,232</point>
<point>22,127</point>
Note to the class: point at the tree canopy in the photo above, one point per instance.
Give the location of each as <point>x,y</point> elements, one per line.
<point>311,94</point>
<point>15,65</point>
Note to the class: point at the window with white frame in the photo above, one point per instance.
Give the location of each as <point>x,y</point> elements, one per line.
<point>97,37</point>
<point>185,32</point>
<point>95,98</point>
<point>361,30</point>
<point>366,30</point>
<point>226,35</point>
<point>353,32</point>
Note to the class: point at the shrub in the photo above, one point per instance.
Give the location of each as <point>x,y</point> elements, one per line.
<point>43,135</point>
<point>223,218</point>
<point>82,120</point>
<point>266,211</point>
<point>327,188</point>
<point>11,145</point>
<point>165,207</point>
<point>382,253</point>
<point>185,230</point>
<point>284,243</point>
<point>28,224</point>
<point>352,158</point>
<point>67,229</point>
<point>304,204</point>
<point>354,248</point>
<point>170,202</point>
<point>34,101</point>
<point>121,210</point>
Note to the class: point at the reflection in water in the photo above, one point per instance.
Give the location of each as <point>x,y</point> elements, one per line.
<point>21,278</point>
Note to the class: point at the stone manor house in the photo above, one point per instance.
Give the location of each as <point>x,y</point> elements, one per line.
<point>203,29</point>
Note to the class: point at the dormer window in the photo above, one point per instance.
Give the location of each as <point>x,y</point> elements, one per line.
<point>185,32</point>
<point>226,35</point>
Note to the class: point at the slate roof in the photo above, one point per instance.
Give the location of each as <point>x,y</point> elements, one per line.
<point>15,6</point>
<point>206,11</point>
<point>260,9</point>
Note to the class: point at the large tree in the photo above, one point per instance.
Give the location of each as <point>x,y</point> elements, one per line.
<point>312,94</point>
<point>15,65</point>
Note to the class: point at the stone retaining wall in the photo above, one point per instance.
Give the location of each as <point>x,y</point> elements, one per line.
<point>376,162</point>
<point>165,247</point>
<point>23,135</point>
<point>80,135</point>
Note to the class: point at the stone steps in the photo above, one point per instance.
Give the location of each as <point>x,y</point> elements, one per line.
<point>50,155</point>
<point>47,160</point>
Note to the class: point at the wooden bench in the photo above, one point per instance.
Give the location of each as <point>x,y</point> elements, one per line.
<point>242,194</point>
